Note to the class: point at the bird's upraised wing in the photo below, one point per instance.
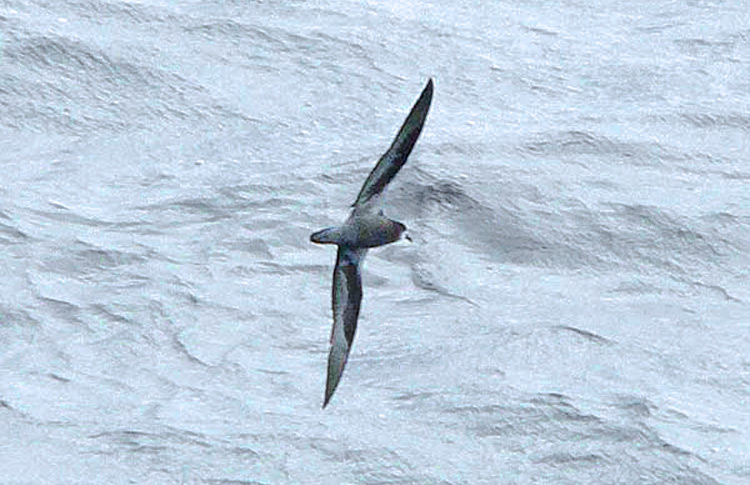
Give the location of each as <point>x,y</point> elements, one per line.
<point>346,298</point>
<point>392,161</point>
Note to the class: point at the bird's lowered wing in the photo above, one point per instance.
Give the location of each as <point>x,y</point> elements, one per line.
<point>392,161</point>
<point>346,298</point>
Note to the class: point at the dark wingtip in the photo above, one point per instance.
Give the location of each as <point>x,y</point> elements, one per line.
<point>425,99</point>
<point>412,127</point>
<point>328,396</point>
<point>393,159</point>
<point>415,120</point>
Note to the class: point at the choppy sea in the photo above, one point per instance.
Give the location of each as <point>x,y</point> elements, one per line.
<point>573,308</point>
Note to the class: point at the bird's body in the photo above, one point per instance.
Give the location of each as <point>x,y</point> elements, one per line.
<point>365,228</point>
<point>362,231</point>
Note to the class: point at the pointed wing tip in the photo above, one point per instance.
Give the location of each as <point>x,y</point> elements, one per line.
<point>393,159</point>
<point>328,396</point>
<point>426,96</point>
<point>416,118</point>
<point>331,384</point>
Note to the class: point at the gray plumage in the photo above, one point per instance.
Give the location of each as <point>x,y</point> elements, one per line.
<point>365,228</point>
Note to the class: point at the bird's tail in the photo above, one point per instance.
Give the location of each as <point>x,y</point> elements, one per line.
<point>331,235</point>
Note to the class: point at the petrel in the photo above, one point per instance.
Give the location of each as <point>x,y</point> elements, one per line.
<point>367,227</point>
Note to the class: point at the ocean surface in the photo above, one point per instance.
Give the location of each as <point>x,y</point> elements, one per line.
<point>574,307</point>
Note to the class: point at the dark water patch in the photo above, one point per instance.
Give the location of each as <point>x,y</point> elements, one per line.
<point>141,228</point>
<point>528,227</point>
<point>183,349</point>
<point>219,208</point>
<point>699,47</point>
<point>276,50</point>
<point>662,227</point>
<point>83,259</point>
<point>714,121</point>
<point>66,216</point>
<point>230,481</point>
<point>270,267</point>
<point>9,234</point>
<point>551,399</point>
<point>256,247</point>
<point>478,409</point>
<point>736,175</point>
<point>238,33</point>
<point>630,82</point>
<point>579,143</point>
<point>59,378</point>
<point>402,354</point>
<point>62,309</point>
<point>213,208</point>
<point>587,335</point>
<point>216,332</point>
<point>139,15</point>
<point>412,396</point>
<point>106,314</point>
<point>68,86</point>
<point>37,114</point>
<point>535,29</point>
<point>152,441</point>
<point>18,331</point>
<point>502,231</point>
<point>73,59</point>
<point>522,421</point>
<point>373,464</point>
<point>417,302</point>
<point>472,151</point>
<point>13,316</point>
<point>4,406</point>
<point>651,236</point>
<point>573,460</point>
<point>424,278</point>
<point>9,411</point>
<point>283,193</point>
<point>55,76</point>
<point>347,46</point>
<point>553,433</point>
<point>274,372</point>
<point>657,26</point>
<point>635,407</point>
<point>698,288</point>
<point>636,287</point>
<point>186,210</point>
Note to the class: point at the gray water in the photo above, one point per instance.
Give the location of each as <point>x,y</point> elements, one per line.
<point>573,308</point>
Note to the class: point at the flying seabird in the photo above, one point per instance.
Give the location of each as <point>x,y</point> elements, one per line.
<point>367,227</point>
